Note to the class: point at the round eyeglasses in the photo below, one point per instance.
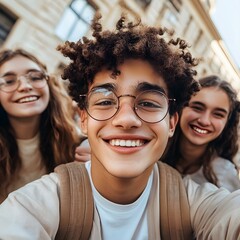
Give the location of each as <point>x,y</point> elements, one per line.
<point>151,106</point>
<point>11,82</point>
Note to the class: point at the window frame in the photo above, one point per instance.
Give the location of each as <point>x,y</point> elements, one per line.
<point>5,28</point>
<point>77,19</point>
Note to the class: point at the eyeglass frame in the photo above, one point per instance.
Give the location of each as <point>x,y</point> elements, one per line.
<point>26,77</point>
<point>134,107</point>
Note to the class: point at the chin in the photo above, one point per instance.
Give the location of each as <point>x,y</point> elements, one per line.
<point>126,170</point>
<point>125,175</point>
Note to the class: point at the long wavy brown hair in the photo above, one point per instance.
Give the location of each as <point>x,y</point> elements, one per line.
<point>58,137</point>
<point>225,146</point>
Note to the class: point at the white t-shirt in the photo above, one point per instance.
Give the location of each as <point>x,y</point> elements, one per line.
<point>130,220</point>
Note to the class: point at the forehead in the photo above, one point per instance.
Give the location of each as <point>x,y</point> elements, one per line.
<point>213,97</point>
<point>18,64</point>
<point>133,73</point>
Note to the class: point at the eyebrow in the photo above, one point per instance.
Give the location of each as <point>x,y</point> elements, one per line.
<point>143,86</point>
<point>203,105</point>
<point>10,73</point>
<point>108,86</point>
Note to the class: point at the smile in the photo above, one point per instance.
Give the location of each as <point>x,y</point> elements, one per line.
<point>199,130</point>
<point>126,143</point>
<point>27,99</point>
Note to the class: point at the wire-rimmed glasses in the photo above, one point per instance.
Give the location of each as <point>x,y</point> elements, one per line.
<point>151,106</point>
<point>11,82</point>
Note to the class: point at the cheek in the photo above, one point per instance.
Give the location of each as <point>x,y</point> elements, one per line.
<point>219,125</point>
<point>46,92</point>
<point>186,117</point>
<point>5,100</point>
<point>93,130</point>
<point>190,114</point>
<point>162,131</point>
<point>93,127</point>
<point>45,95</point>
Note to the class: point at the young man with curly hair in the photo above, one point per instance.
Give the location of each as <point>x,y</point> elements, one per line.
<point>130,85</point>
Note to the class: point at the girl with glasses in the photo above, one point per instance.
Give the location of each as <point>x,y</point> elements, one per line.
<point>37,130</point>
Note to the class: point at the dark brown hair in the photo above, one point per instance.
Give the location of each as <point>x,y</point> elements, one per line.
<point>108,49</point>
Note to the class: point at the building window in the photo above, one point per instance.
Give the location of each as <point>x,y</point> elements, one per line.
<point>176,4</point>
<point>6,23</point>
<point>143,3</point>
<point>76,20</point>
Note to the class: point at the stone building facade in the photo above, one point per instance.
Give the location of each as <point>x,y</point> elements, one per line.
<point>39,26</point>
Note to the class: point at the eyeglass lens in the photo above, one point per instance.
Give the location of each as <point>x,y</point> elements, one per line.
<point>10,83</point>
<point>150,106</point>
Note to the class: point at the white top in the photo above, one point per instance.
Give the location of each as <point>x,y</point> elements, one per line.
<point>225,171</point>
<point>116,218</point>
<point>32,212</point>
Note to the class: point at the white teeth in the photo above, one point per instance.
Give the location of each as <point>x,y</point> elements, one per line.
<point>27,99</point>
<point>126,143</point>
<point>200,130</point>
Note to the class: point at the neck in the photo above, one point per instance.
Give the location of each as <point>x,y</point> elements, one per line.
<point>191,156</point>
<point>118,190</point>
<point>25,128</point>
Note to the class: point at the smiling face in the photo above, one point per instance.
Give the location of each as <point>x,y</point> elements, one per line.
<point>125,146</point>
<point>25,101</point>
<point>205,118</point>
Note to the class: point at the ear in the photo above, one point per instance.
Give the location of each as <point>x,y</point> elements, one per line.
<point>173,123</point>
<point>83,117</point>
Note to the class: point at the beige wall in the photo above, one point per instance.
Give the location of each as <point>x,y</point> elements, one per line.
<point>37,22</point>
<point>35,28</point>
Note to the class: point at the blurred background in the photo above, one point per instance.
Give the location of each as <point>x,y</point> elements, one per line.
<point>39,26</point>
<point>211,27</point>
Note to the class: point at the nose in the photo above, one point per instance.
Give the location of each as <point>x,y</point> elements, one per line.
<point>126,118</point>
<point>204,119</point>
<point>23,84</point>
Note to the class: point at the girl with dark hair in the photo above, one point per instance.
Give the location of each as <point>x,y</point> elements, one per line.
<point>206,137</point>
<point>37,130</point>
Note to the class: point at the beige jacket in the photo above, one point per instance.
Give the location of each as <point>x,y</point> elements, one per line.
<point>32,212</point>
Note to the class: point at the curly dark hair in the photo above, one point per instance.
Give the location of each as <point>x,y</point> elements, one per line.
<point>58,137</point>
<point>108,49</point>
<point>225,146</point>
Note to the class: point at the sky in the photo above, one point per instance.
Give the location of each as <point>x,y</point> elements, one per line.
<point>226,17</point>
